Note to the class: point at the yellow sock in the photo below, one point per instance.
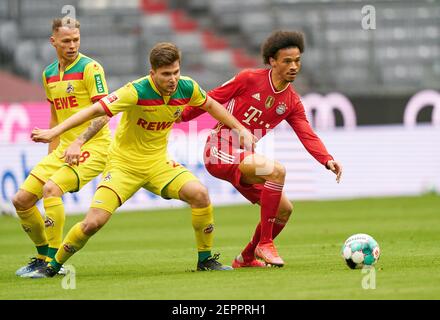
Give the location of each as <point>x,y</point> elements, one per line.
<point>55,219</point>
<point>74,241</point>
<point>33,224</point>
<point>203,224</point>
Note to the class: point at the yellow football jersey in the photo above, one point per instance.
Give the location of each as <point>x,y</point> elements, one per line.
<point>148,118</point>
<point>78,87</point>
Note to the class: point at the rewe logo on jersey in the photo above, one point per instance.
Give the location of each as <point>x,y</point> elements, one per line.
<point>65,102</point>
<point>154,125</point>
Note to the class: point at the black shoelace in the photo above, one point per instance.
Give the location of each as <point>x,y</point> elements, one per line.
<point>33,261</point>
<point>213,260</point>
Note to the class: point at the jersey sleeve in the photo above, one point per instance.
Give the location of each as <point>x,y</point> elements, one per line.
<point>120,100</point>
<point>46,88</point>
<point>94,78</point>
<point>198,97</point>
<point>298,121</point>
<point>230,89</point>
<point>190,113</point>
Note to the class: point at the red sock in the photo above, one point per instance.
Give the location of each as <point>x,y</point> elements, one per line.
<point>269,201</point>
<point>248,252</point>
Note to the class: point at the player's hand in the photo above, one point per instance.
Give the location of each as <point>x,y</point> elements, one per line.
<point>247,139</point>
<point>336,168</point>
<point>72,153</point>
<point>42,135</point>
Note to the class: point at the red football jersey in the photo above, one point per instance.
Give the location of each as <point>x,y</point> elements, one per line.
<point>253,100</point>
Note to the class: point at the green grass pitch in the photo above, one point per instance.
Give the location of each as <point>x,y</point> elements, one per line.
<point>149,255</point>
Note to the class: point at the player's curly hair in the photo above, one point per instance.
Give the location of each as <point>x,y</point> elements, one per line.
<point>281,40</point>
<point>164,54</point>
<point>64,22</point>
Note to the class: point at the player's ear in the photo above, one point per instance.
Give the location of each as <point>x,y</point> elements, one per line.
<point>272,62</point>
<point>52,40</point>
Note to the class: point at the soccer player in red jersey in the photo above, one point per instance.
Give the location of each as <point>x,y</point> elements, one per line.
<point>260,99</point>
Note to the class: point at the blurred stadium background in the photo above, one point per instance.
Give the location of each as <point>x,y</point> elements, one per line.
<point>371,94</point>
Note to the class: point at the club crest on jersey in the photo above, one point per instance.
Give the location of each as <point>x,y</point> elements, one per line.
<point>177,113</point>
<point>69,88</point>
<point>269,102</point>
<point>281,108</point>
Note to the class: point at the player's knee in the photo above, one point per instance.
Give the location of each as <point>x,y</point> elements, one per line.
<point>50,189</point>
<point>90,227</point>
<point>199,197</point>
<point>22,201</point>
<point>278,174</point>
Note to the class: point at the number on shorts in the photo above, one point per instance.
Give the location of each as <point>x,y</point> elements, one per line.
<point>174,163</point>
<point>84,156</point>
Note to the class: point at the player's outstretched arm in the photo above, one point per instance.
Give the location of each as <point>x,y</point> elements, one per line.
<point>190,113</point>
<point>47,135</point>
<point>216,110</point>
<point>336,168</point>
<point>73,152</point>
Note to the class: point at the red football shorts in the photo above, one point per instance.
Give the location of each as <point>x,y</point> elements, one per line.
<point>222,161</point>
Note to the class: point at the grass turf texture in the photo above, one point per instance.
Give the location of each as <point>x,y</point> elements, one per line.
<point>149,255</point>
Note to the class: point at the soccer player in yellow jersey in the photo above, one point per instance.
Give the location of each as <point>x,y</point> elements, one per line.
<point>72,83</point>
<point>138,155</point>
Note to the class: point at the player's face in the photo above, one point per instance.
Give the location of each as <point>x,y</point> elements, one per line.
<point>287,64</point>
<point>166,78</point>
<point>66,42</point>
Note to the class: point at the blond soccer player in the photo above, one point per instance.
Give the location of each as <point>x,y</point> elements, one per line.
<point>138,155</point>
<point>72,83</point>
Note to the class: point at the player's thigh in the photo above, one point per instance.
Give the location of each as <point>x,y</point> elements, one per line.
<point>104,200</point>
<point>66,179</point>
<point>168,179</point>
<point>121,182</point>
<point>224,165</point>
<point>256,168</point>
<point>31,190</point>
<point>41,173</point>
<point>91,164</point>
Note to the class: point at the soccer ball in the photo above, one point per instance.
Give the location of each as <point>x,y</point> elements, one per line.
<point>360,250</point>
